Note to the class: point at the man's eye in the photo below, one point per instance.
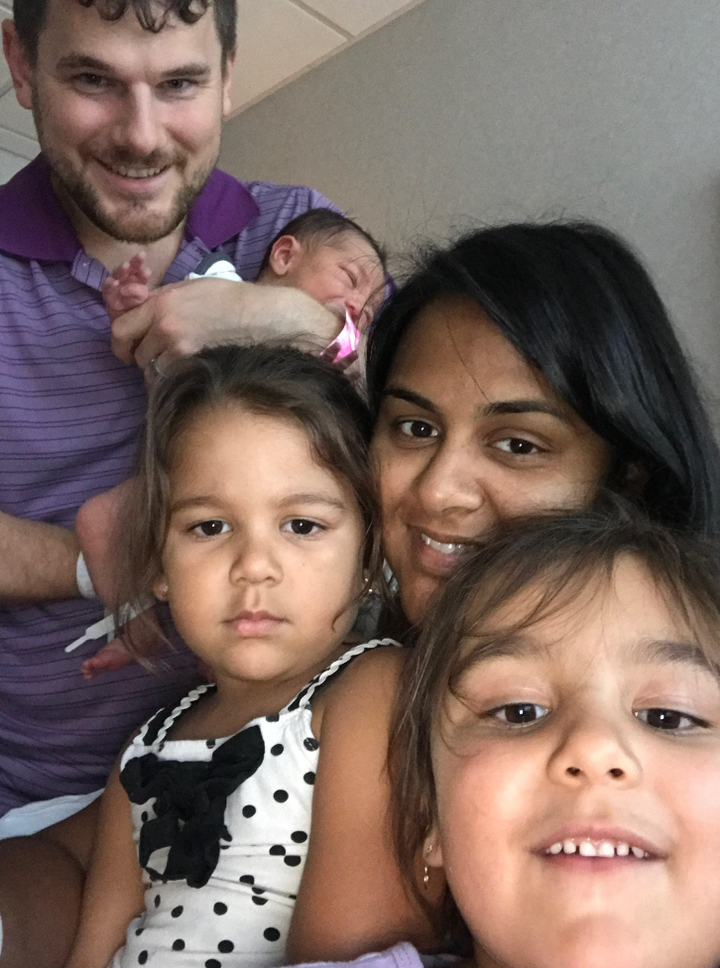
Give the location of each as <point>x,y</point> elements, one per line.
<point>519,713</point>
<point>302,526</point>
<point>669,719</point>
<point>208,529</point>
<point>417,428</point>
<point>179,85</point>
<point>91,80</point>
<point>517,445</point>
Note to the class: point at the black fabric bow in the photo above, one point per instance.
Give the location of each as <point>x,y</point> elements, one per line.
<point>190,804</point>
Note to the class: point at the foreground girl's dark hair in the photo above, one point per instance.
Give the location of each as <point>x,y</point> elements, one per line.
<point>579,306</point>
<point>274,380</point>
<point>559,557</point>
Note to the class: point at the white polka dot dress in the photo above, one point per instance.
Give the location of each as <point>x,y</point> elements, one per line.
<point>241,915</point>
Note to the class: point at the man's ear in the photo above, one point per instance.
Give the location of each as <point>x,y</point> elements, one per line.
<point>284,254</point>
<point>432,851</point>
<point>17,60</point>
<point>227,83</point>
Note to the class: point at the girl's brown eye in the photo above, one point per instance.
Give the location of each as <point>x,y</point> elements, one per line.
<point>519,713</point>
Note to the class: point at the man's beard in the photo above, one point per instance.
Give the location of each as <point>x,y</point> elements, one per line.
<point>132,223</point>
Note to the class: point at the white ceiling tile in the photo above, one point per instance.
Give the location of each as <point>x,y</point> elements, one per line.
<point>14,117</point>
<point>356,16</point>
<point>4,75</point>
<point>276,41</point>
<point>5,9</point>
<point>18,144</point>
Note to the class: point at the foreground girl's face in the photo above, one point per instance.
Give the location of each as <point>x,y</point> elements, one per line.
<point>263,558</point>
<point>468,435</point>
<point>578,783</point>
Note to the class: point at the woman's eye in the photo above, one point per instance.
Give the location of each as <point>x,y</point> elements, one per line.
<point>417,428</point>
<point>208,529</point>
<point>519,713</point>
<point>302,526</point>
<point>669,719</point>
<point>517,445</point>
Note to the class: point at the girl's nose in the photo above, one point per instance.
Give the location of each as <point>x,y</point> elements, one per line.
<point>254,562</point>
<point>595,751</point>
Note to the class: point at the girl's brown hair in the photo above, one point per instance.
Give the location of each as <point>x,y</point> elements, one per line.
<point>274,380</point>
<point>558,556</point>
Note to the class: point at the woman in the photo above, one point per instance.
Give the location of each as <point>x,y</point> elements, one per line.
<point>517,370</point>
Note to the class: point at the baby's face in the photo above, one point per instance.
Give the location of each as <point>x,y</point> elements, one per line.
<point>345,276</point>
<point>578,789</point>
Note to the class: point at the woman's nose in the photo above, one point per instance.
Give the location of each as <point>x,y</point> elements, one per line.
<point>451,481</point>
<point>595,751</point>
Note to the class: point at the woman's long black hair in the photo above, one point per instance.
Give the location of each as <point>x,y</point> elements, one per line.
<point>580,307</point>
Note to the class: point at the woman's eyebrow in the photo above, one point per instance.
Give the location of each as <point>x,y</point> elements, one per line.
<point>409,396</point>
<point>501,407</point>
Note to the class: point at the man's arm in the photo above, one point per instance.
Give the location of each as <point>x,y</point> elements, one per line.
<point>180,319</point>
<point>39,560</point>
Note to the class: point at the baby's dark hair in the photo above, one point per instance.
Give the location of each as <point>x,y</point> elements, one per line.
<point>559,557</point>
<point>274,380</point>
<point>323,226</point>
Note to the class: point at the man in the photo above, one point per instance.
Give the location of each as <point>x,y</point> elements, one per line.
<point>128,98</point>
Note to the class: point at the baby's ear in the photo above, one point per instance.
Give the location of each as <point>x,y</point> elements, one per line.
<point>160,588</point>
<point>284,255</point>
<point>432,851</point>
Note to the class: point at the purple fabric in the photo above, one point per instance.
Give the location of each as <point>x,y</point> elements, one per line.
<point>403,955</point>
<point>70,415</point>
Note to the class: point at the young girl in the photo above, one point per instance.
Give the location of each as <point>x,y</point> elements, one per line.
<point>557,748</point>
<point>252,518</point>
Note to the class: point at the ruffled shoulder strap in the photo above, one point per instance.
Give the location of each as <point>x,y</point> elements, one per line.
<point>156,728</point>
<point>304,697</point>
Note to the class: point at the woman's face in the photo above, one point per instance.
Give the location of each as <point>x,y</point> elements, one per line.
<point>469,435</point>
<point>577,776</point>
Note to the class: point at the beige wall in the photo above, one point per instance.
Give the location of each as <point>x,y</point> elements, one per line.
<point>471,110</point>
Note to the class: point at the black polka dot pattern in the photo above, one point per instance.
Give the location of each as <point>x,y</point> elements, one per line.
<point>273,718</point>
<point>178,945</point>
<point>277,850</point>
<point>213,963</point>
<point>177,911</point>
<point>210,743</point>
<point>142,957</point>
<point>311,744</point>
<point>280,796</point>
<point>277,749</point>
<point>298,837</point>
<point>157,900</point>
<point>249,811</point>
<point>145,816</point>
<point>220,908</point>
<point>309,778</point>
<point>292,860</point>
<point>271,934</point>
<point>258,890</point>
<point>225,947</point>
<point>247,879</point>
<point>259,901</point>
<point>139,931</point>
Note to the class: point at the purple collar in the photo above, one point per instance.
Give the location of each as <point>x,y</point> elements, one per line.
<point>33,223</point>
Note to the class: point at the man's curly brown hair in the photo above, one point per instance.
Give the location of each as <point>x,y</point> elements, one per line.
<point>152,15</point>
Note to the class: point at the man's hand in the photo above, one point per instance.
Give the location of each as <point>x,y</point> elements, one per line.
<point>182,318</point>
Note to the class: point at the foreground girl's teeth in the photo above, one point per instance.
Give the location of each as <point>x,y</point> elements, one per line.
<point>595,848</point>
<point>445,548</point>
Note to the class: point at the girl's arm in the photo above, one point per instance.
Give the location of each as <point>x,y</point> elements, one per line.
<point>113,893</point>
<point>352,896</point>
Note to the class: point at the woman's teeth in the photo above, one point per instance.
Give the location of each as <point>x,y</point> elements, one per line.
<point>596,848</point>
<point>445,548</point>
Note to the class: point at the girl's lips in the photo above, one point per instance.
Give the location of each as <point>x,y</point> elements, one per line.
<point>598,842</point>
<point>254,624</point>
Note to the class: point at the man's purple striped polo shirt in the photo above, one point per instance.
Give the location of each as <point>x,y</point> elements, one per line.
<point>70,415</point>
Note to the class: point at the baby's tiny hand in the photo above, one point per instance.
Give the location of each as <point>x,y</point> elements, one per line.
<point>113,656</point>
<point>127,287</point>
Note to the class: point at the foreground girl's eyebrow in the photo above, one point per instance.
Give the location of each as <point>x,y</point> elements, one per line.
<point>671,650</point>
<point>313,498</point>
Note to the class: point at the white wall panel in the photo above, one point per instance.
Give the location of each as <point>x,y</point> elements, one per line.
<point>357,16</point>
